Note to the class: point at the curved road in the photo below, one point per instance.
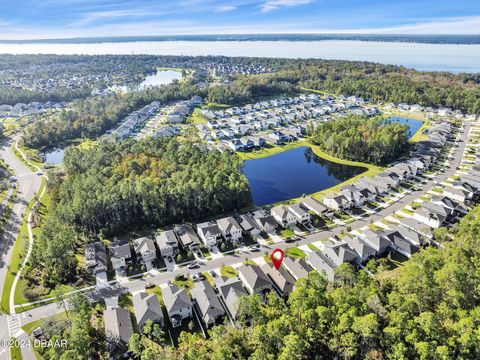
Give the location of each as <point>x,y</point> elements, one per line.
<point>28,184</point>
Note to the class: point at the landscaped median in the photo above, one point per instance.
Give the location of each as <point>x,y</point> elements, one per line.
<point>18,255</point>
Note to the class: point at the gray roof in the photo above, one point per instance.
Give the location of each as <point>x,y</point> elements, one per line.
<point>281,211</point>
<point>417,226</point>
<point>118,324</point>
<point>228,224</point>
<point>209,229</point>
<point>166,239</point>
<point>187,235</point>
<point>254,276</point>
<point>175,298</point>
<point>143,245</point>
<point>96,256</point>
<point>321,263</point>
<point>313,205</point>
<point>297,267</point>
<point>207,301</point>
<point>120,249</point>
<point>231,290</point>
<point>248,223</point>
<point>358,245</point>
<point>339,253</point>
<point>376,239</point>
<point>281,278</point>
<point>147,307</point>
<point>264,221</point>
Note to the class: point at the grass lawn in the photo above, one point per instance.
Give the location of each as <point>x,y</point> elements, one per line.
<point>295,253</point>
<point>209,278</point>
<point>313,247</point>
<point>285,233</point>
<point>250,262</point>
<point>15,352</point>
<point>196,118</point>
<point>29,327</point>
<point>185,283</point>
<point>228,271</point>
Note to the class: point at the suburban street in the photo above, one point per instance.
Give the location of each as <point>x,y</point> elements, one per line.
<point>28,184</point>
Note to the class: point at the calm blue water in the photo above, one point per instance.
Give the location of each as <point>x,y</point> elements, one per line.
<point>413,125</point>
<point>54,156</point>
<point>293,173</point>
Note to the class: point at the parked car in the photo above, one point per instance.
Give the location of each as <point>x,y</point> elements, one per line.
<point>37,332</point>
<point>193,265</point>
<point>200,276</point>
<point>213,273</point>
<point>149,285</point>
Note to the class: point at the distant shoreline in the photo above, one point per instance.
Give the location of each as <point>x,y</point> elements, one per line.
<point>425,39</point>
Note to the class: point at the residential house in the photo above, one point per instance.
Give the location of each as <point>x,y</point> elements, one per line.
<point>120,255</point>
<point>96,258</point>
<point>187,237</point>
<point>299,268</point>
<point>254,279</point>
<point>376,240</point>
<point>144,248</point>
<point>317,208</point>
<point>266,222</point>
<point>230,229</point>
<point>118,325</point>
<point>430,218</point>
<point>339,252</point>
<point>353,195</point>
<point>283,216</point>
<point>408,234</point>
<point>177,304</point>
<point>282,281</point>
<point>147,307</point>
<point>249,225</point>
<point>230,290</point>
<point>167,243</point>
<point>337,202</point>
<point>301,214</point>
<point>210,233</point>
<point>319,262</point>
<point>457,194</point>
<point>417,226</point>
<point>207,302</point>
<point>361,247</point>
<point>400,244</point>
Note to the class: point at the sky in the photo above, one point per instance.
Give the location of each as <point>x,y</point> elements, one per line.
<point>36,19</point>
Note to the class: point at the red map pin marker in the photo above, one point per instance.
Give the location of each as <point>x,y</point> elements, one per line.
<point>277,257</point>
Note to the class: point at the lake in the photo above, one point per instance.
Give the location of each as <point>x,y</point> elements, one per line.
<point>161,77</point>
<point>54,156</point>
<point>293,173</point>
<point>413,125</point>
<point>420,56</point>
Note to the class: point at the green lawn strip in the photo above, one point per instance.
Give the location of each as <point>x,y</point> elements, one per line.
<point>188,284</point>
<point>209,278</point>
<point>20,157</point>
<point>29,327</point>
<point>313,247</point>
<point>295,253</point>
<point>196,117</point>
<point>228,271</point>
<point>249,262</point>
<point>285,233</point>
<point>15,351</point>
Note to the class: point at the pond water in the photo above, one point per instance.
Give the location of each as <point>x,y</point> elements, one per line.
<point>161,77</point>
<point>413,125</point>
<point>293,173</point>
<point>54,156</point>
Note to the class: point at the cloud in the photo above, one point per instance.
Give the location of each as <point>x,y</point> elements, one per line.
<point>225,8</point>
<point>270,5</point>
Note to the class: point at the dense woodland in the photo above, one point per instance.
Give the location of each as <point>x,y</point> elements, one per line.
<point>113,187</point>
<point>428,308</point>
<point>355,138</point>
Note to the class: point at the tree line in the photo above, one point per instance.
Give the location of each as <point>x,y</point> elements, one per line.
<point>116,186</point>
<point>375,140</point>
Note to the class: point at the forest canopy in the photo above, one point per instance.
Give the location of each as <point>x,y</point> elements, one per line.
<point>116,186</point>
<point>376,140</point>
